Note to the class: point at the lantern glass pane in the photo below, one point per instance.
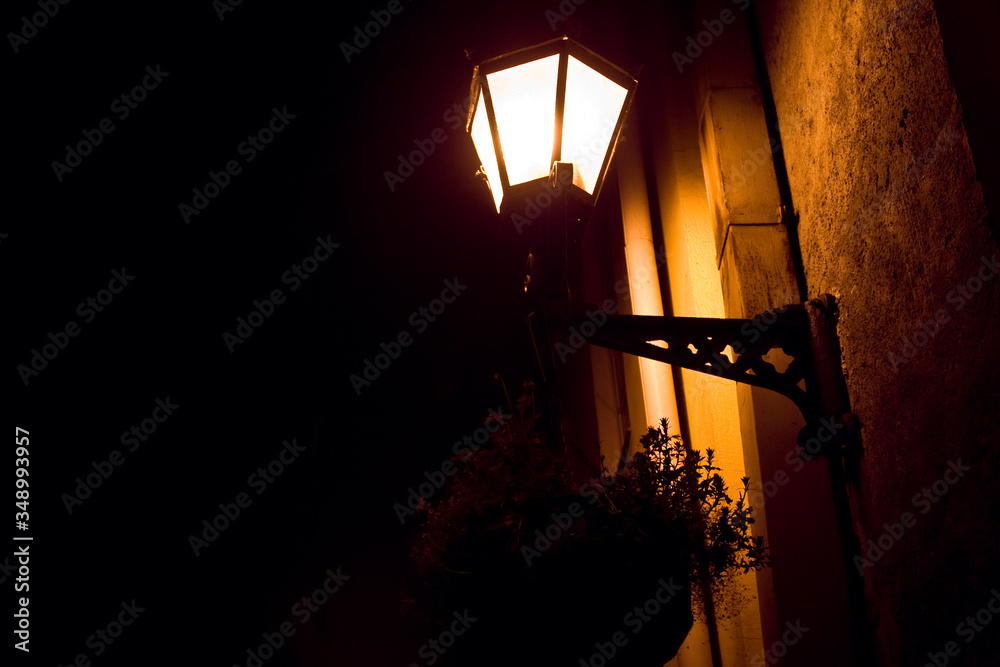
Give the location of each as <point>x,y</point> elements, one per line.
<point>482,139</point>
<point>524,102</point>
<point>593,105</point>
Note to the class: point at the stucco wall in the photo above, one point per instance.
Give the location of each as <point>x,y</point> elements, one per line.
<point>892,222</point>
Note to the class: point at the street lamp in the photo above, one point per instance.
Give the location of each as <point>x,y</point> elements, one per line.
<point>548,113</point>
<point>552,114</point>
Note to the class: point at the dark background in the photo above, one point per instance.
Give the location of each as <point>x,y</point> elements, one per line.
<point>162,336</point>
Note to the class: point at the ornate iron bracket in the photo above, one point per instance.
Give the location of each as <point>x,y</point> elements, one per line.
<point>744,351</point>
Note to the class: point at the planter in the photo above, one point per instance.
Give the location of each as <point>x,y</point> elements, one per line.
<point>557,576</point>
<point>587,595</point>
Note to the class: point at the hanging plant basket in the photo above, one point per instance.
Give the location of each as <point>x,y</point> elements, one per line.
<point>557,572</point>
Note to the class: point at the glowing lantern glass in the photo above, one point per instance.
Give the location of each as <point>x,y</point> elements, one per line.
<point>555,102</point>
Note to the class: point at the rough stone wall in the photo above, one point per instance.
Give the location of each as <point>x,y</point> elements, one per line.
<point>892,222</point>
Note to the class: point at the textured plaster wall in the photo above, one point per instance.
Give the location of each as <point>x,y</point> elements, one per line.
<point>892,222</point>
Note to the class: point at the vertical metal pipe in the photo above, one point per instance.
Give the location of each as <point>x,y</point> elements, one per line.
<point>831,399</point>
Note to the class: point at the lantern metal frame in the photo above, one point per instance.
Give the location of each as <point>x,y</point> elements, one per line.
<point>564,47</point>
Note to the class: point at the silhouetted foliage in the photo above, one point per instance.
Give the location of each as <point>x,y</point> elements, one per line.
<point>512,534</point>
